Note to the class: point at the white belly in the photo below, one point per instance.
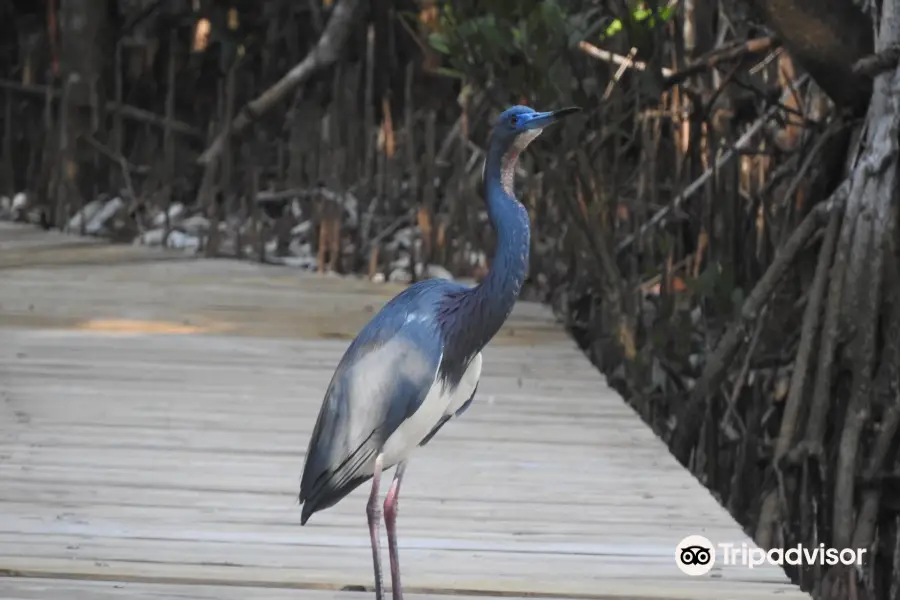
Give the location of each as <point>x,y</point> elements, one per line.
<point>439,402</point>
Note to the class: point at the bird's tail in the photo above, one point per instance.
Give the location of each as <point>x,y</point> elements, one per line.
<point>308,509</point>
<point>326,496</point>
<point>326,488</point>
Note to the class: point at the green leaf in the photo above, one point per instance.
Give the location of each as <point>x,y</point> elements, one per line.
<point>496,38</point>
<point>447,72</point>
<point>518,37</point>
<point>438,41</point>
<point>614,28</point>
<point>553,17</point>
<point>639,14</point>
<point>667,12</point>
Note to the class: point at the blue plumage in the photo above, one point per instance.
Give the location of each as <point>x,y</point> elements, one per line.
<point>417,363</point>
<point>409,325</point>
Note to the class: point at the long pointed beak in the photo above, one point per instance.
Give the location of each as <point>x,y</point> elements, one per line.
<point>542,119</point>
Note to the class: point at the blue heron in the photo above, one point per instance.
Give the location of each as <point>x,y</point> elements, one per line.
<point>417,363</point>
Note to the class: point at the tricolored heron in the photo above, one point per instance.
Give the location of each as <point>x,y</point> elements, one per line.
<point>416,364</point>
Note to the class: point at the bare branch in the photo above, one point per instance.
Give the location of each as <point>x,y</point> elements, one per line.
<point>323,54</point>
<point>618,59</point>
<point>691,415</point>
<point>879,63</point>
<point>826,37</point>
<point>720,55</point>
<point>794,402</point>
<point>690,190</point>
<point>131,112</point>
<point>887,389</point>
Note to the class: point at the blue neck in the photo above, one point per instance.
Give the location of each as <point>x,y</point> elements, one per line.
<point>479,312</point>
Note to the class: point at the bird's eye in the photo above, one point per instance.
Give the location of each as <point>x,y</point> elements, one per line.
<point>513,120</point>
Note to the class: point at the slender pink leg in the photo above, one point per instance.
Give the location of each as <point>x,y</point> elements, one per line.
<point>390,521</point>
<point>374,516</point>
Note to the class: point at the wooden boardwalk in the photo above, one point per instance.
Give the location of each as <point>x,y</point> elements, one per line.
<point>154,412</point>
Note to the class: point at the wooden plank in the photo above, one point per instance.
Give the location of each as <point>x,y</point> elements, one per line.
<point>23,246</point>
<point>210,296</point>
<point>153,424</point>
<point>73,589</point>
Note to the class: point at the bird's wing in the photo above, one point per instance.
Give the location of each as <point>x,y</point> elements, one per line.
<point>382,379</point>
<point>463,396</point>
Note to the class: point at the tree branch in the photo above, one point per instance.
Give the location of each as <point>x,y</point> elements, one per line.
<point>690,416</point>
<point>796,393</point>
<point>879,63</point>
<point>618,59</point>
<point>131,112</point>
<point>886,391</point>
<point>827,38</point>
<point>857,412</point>
<point>323,54</point>
<point>721,161</point>
<point>720,55</point>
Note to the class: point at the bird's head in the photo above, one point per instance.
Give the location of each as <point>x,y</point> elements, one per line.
<point>514,130</point>
<point>518,126</point>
